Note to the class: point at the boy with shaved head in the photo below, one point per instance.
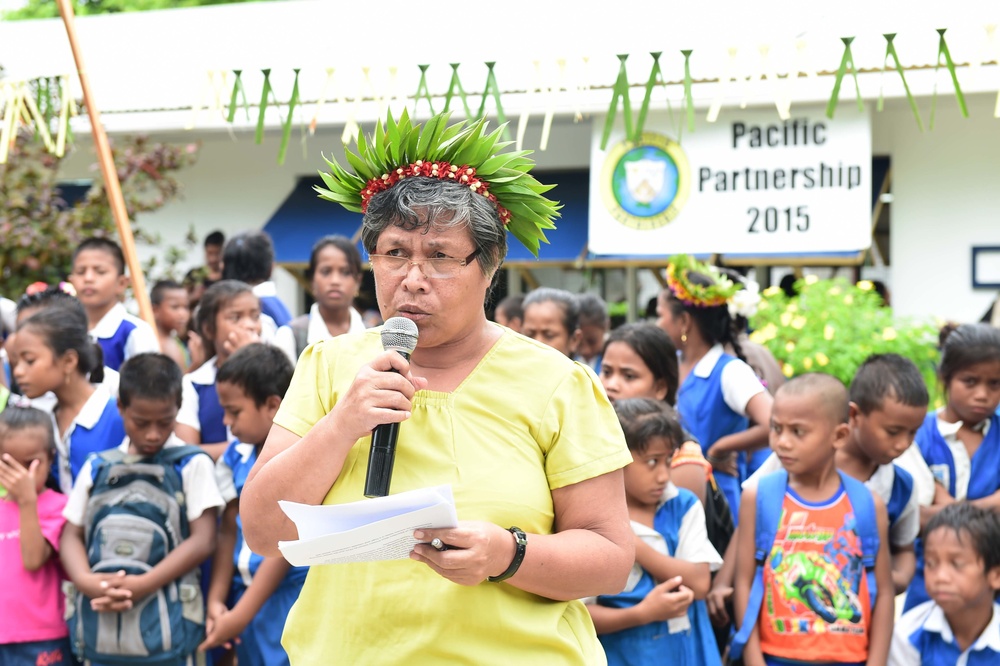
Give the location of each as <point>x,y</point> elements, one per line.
<point>815,601</point>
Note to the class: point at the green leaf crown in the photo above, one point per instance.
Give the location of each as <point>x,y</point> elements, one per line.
<point>719,292</point>
<point>462,152</point>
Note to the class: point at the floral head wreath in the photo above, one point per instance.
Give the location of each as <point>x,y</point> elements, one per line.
<point>719,292</point>
<point>460,152</point>
<point>38,287</point>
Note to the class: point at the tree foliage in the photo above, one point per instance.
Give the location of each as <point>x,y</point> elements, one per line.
<point>40,230</point>
<point>832,326</point>
<point>40,9</point>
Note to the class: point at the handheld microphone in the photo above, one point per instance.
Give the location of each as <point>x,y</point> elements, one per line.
<point>400,335</point>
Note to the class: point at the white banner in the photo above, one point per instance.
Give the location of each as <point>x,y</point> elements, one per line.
<point>749,183</point>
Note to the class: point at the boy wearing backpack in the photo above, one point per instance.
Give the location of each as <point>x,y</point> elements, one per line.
<point>140,521</point>
<point>888,405</point>
<point>813,580</point>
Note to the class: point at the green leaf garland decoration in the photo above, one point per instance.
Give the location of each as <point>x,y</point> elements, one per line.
<point>655,77</point>
<point>847,59</point>
<point>492,87</point>
<point>620,93</point>
<point>237,91</point>
<point>423,92</point>
<point>890,50</point>
<point>399,146</point>
<point>688,97</point>
<point>943,51</point>
<point>453,85</point>
<point>286,130</point>
<point>265,90</point>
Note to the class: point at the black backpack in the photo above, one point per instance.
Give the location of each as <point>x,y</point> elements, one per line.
<point>718,516</point>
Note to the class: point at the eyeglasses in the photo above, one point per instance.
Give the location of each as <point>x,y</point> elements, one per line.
<point>440,268</point>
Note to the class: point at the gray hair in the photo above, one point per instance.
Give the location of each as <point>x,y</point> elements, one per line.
<point>566,301</point>
<point>417,202</point>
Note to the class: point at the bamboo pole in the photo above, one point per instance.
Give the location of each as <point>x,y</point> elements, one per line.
<point>111,184</point>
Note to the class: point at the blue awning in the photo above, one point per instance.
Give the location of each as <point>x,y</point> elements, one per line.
<point>303,218</point>
<point>568,241</point>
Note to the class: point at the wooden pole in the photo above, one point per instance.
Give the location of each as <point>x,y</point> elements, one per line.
<point>111,184</point>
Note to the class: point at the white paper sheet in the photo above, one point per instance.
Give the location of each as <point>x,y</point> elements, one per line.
<point>367,531</point>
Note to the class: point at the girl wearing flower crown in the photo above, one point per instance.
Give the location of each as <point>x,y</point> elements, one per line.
<point>719,393</point>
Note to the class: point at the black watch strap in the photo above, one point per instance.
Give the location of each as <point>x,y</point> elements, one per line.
<point>521,545</point>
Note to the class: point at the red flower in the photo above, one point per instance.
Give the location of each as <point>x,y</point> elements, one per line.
<point>440,170</point>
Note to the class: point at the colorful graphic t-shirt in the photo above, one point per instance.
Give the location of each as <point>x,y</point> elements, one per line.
<point>816,599</point>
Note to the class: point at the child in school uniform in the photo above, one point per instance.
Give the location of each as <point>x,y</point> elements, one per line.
<point>99,278</point>
<point>960,625</point>
<point>961,442</point>
<point>32,630</point>
<point>660,617</point>
<point>719,394</point>
<point>809,589</point>
<point>228,318</point>
<point>149,398</point>
<point>249,257</point>
<point>260,591</point>
<point>54,353</point>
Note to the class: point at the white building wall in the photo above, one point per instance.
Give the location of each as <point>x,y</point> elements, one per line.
<point>946,199</point>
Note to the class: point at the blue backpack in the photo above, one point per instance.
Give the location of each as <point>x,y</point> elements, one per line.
<point>135,516</point>
<point>770,500</point>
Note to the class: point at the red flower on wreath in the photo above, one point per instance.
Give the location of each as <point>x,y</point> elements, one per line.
<point>441,170</point>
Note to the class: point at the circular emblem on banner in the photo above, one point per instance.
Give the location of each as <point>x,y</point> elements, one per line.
<point>645,183</point>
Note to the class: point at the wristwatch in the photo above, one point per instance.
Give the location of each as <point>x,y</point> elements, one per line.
<point>521,544</point>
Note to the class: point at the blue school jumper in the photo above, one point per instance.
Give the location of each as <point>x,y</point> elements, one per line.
<point>275,309</point>
<point>260,642</point>
<point>705,414</point>
<point>690,645</point>
<point>899,498</point>
<point>984,480</point>
<point>122,335</point>
<point>207,411</point>
<point>923,637</point>
<point>98,427</point>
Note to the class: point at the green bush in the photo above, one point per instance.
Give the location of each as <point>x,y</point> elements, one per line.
<point>832,326</point>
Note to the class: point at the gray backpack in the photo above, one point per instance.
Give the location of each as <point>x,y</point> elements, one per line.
<point>135,516</point>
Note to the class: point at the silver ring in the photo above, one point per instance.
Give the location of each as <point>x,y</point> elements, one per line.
<point>437,544</point>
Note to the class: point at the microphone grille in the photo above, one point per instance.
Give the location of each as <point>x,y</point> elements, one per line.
<point>400,334</point>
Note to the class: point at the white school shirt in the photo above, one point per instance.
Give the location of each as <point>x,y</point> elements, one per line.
<point>739,382</point>
<point>201,492</point>
<point>928,618</point>
<point>907,525</point>
<point>203,374</point>
<point>284,339</point>
<point>923,481</point>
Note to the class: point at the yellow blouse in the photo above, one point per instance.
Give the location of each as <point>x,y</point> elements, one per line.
<point>525,421</point>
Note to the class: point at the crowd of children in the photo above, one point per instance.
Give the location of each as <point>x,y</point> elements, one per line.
<point>768,530</point>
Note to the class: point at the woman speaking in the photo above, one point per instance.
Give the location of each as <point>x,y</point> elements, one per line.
<point>525,436</point>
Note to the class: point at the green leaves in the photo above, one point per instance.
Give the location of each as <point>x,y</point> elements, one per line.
<point>398,143</point>
<point>39,230</point>
<point>832,326</point>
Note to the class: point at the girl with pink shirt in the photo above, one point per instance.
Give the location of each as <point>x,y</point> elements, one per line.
<point>32,630</point>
